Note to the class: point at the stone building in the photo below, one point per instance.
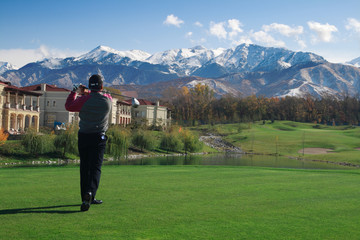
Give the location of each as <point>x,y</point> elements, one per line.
<point>19,108</point>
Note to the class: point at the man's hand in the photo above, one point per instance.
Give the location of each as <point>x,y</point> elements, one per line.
<point>83,90</point>
<point>75,87</point>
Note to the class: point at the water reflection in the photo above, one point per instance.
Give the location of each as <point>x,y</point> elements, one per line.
<point>232,160</point>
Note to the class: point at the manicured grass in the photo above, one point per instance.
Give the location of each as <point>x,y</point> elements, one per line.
<point>288,138</point>
<point>182,202</point>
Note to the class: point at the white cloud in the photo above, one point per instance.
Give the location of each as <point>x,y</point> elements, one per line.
<point>20,57</point>
<point>198,24</point>
<point>302,44</point>
<point>189,34</point>
<point>323,31</point>
<point>218,29</point>
<point>283,29</point>
<point>265,38</point>
<point>353,24</point>
<point>242,40</point>
<point>235,26</point>
<point>173,20</point>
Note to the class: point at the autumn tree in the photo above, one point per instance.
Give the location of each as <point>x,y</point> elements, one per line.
<point>199,105</point>
<point>202,97</point>
<point>3,136</point>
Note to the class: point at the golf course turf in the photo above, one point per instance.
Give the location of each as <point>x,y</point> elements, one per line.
<point>182,202</point>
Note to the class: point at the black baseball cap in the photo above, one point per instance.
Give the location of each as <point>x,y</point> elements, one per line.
<point>95,82</point>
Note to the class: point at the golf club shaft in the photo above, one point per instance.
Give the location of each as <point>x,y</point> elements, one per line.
<point>105,91</point>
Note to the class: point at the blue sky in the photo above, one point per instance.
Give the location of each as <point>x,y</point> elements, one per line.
<point>37,29</point>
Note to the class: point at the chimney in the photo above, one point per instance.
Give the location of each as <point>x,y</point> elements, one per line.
<point>43,87</point>
<point>157,103</point>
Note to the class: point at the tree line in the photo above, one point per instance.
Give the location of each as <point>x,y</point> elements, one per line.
<point>200,106</point>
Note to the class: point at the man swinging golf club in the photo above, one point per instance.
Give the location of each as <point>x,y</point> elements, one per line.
<point>94,109</point>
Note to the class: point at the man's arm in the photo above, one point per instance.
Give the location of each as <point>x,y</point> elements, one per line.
<point>74,104</point>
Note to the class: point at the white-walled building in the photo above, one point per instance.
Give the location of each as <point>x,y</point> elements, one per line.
<point>152,113</point>
<point>52,104</point>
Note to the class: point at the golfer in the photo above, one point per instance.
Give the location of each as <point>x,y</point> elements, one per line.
<point>94,109</point>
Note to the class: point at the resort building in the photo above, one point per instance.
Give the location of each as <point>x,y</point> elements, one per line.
<point>52,105</point>
<point>44,105</point>
<point>19,108</point>
<point>152,114</point>
<point>123,113</point>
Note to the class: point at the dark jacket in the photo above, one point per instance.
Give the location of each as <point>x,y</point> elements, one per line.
<point>93,111</point>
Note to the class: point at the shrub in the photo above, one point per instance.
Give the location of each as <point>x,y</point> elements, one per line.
<point>171,141</point>
<point>36,144</point>
<point>12,148</point>
<point>143,139</point>
<point>118,142</point>
<point>67,140</point>
<point>191,142</point>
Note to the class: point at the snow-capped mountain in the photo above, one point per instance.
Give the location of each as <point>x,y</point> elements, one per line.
<point>246,69</point>
<point>103,54</point>
<point>99,55</point>
<point>184,61</point>
<point>5,66</point>
<point>254,58</point>
<point>355,62</point>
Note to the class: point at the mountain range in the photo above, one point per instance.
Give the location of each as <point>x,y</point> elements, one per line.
<point>5,66</point>
<point>242,70</point>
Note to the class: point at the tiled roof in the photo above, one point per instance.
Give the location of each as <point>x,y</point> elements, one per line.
<point>4,83</point>
<point>142,102</point>
<point>20,90</point>
<point>49,88</point>
<point>125,103</point>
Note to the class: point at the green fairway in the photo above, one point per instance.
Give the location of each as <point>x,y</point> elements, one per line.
<point>182,202</point>
<point>289,138</point>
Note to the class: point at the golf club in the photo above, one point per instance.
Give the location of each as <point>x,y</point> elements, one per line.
<point>134,102</point>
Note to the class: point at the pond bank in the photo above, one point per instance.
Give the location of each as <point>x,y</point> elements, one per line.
<point>211,140</point>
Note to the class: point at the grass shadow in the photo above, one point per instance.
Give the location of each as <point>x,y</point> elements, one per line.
<point>49,209</point>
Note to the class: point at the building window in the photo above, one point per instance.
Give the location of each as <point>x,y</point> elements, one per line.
<point>48,103</point>
<point>54,104</point>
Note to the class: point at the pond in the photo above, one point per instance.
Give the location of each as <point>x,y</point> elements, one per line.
<point>204,159</point>
<point>232,160</point>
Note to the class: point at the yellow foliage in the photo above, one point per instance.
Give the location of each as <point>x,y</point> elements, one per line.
<point>185,91</point>
<point>3,136</point>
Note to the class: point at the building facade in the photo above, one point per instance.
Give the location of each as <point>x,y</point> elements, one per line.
<point>152,114</point>
<point>44,105</point>
<point>19,109</point>
<point>120,113</point>
<point>123,113</point>
<point>52,105</point>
